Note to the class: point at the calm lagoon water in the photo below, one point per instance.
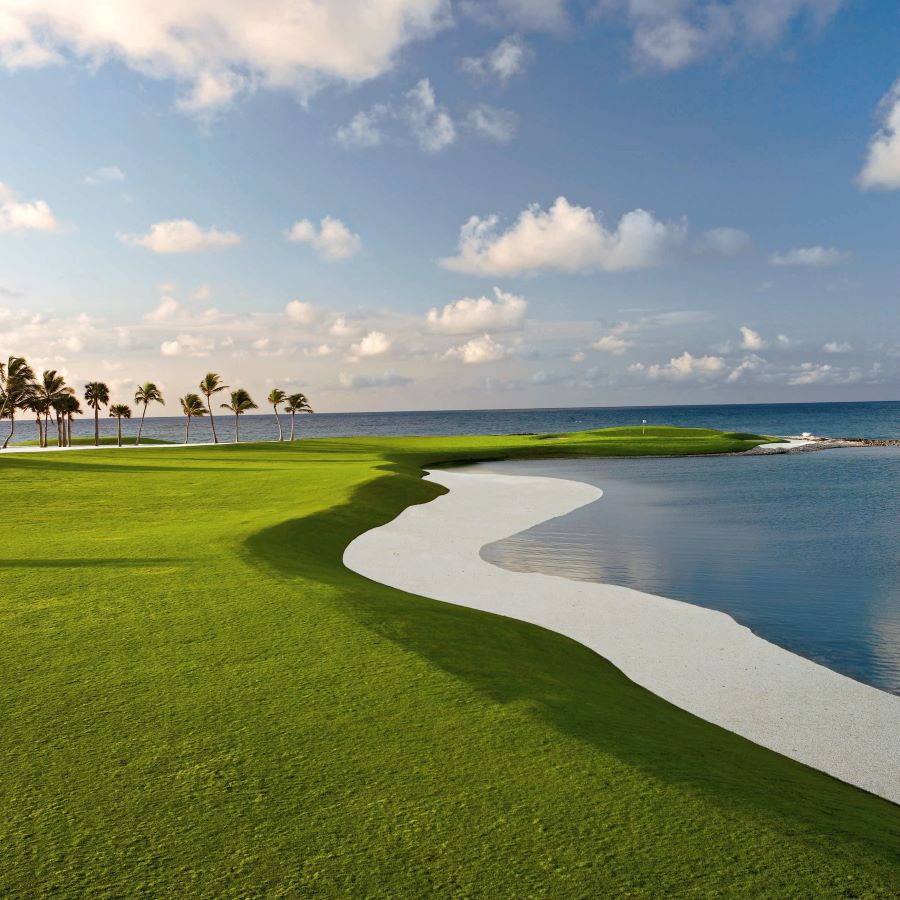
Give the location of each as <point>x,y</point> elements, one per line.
<point>873,420</point>
<point>803,548</point>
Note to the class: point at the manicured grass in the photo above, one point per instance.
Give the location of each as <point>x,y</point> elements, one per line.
<point>198,699</point>
<point>105,441</point>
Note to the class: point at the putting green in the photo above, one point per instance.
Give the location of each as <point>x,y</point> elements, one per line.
<point>198,698</point>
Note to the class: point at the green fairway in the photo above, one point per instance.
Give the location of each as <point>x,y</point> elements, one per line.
<point>198,699</point>
<point>105,441</point>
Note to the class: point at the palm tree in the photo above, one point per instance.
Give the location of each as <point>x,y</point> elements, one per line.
<point>210,385</point>
<point>68,406</point>
<point>146,394</point>
<point>37,405</point>
<point>241,401</point>
<point>96,393</point>
<point>50,390</point>
<point>119,411</point>
<point>191,405</point>
<point>16,378</point>
<point>276,397</point>
<point>294,404</point>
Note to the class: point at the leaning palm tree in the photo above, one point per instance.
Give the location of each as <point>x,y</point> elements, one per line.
<point>119,411</point>
<point>276,397</point>
<point>16,378</point>
<point>146,394</point>
<point>296,403</point>
<point>191,405</point>
<point>96,393</point>
<point>241,401</point>
<point>210,385</point>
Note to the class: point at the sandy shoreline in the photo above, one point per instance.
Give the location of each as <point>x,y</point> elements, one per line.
<point>698,659</point>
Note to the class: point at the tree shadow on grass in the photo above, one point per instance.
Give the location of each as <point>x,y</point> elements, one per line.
<point>89,562</point>
<point>569,686</point>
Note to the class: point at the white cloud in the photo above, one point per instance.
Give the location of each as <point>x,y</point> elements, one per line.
<point>470,316</point>
<point>497,125</point>
<point>24,215</point>
<point>340,327</point>
<point>816,257</point>
<point>510,57</point>
<point>202,293</point>
<point>749,364</point>
<point>332,241</point>
<point>181,236</point>
<point>302,313</point>
<point>188,345</point>
<point>819,373</point>
<point>320,350</point>
<point>168,308</point>
<point>363,382</point>
<point>783,340</point>
<point>564,238</point>
<point>837,347</point>
<point>217,49</point>
<point>534,15</point>
<point>429,122</point>
<point>482,349</point>
<point>374,343</point>
<point>723,242</point>
<point>682,368</point>
<point>881,169</point>
<point>750,339</point>
<point>103,175</point>
<point>612,343</point>
<point>671,34</point>
<point>365,128</point>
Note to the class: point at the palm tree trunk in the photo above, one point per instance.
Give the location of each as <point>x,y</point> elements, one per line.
<point>293,416</point>
<point>212,421</point>
<point>119,429</point>
<point>141,426</point>
<point>187,429</point>
<point>12,425</point>
<point>280,433</point>
<point>59,430</point>
<point>237,428</point>
<point>37,419</point>
<point>97,425</point>
<point>46,429</point>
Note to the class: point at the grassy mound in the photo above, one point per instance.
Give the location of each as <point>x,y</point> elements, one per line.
<point>198,699</point>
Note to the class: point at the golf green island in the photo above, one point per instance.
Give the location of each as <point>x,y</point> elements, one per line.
<point>200,699</point>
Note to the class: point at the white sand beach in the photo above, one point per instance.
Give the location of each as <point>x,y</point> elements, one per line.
<point>698,659</point>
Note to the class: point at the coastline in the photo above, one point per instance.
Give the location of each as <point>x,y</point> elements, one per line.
<point>700,660</point>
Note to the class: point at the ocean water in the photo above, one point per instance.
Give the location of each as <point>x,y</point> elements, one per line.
<point>873,420</point>
<point>804,548</point>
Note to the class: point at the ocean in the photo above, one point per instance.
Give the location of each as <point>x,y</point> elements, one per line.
<point>871,420</point>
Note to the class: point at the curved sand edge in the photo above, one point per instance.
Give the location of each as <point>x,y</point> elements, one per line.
<point>698,659</point>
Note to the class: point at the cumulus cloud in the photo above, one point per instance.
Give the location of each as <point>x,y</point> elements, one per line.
<point>750,339</point>
<point>497,125</point>
<point>510,57</point>
<point>168,308</point>
<point>815,373</point>
<point>181,236</point>
<point>564,238</point>
<point>187,344</point>
<point>748,365</point>
<point>682,368</point>
<point>24,215</point>
<point>815,257</point>
<point>837,347</point>
<point>333,240</point>
<point>302,313</point>
<point>470,316</point>
<point>612,343</point>
<point>429,122</point>
<point>482,349</point>
<point>365,128</point>
<point>374,343</point>
<point>219,49</point>
<point>103,175</point>
<point>672,34</point>
<point>347,381</point>
<point>881,170</point>
<point>320,350</point>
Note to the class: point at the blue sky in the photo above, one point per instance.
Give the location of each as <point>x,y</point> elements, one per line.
<point>280,192</point>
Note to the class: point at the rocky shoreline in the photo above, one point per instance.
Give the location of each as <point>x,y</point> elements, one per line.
<point>807,443</point>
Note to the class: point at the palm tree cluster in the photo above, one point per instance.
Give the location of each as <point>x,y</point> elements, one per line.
<point>51,400</point>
